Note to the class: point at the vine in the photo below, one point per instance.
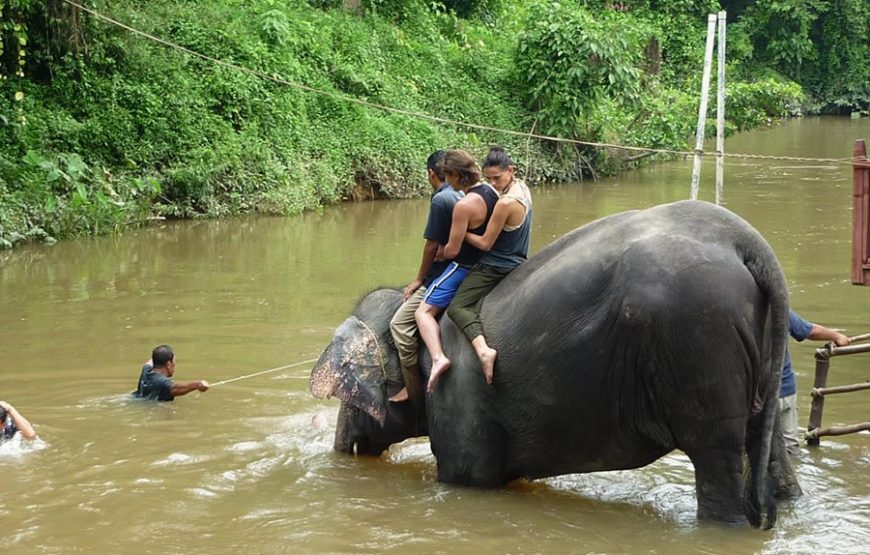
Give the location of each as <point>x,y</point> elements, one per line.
<point>13,50</point>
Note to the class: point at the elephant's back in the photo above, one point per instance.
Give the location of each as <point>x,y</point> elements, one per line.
<point>585,332</point>
<point>647,244</point>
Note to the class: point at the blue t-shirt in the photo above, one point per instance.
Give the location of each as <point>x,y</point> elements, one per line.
<point>799,329</point>
<point>438,225</point>
<point>153,385</point>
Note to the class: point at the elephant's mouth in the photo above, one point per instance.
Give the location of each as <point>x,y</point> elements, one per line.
<point>349,439</point>
<point>359,447</point>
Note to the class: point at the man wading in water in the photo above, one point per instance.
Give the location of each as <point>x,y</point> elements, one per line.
<point>154,382</point>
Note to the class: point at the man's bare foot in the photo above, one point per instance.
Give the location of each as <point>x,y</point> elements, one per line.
<point>400,397</point>
<point>439,366</point>
<point>487,362</point>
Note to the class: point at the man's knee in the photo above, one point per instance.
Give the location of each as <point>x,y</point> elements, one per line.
<point>408,359</point>
<point>397,329</point>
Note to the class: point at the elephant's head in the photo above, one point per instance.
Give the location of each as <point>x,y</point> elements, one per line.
<point>360,366</point>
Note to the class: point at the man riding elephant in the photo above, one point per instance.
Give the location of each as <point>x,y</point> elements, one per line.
<point>637,334</point>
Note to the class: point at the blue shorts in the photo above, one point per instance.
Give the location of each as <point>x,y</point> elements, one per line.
<point>441,291</point>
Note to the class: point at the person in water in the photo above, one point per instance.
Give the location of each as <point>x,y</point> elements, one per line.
<point>12,422</point>
<point>505,244</point>
<point>403,325</point>
<point>470,215</point>
<point>799,329</point>
<point>154,380</point>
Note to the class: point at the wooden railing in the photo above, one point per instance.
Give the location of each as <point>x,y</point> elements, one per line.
<point>860,215</point>
<point>820,390</point>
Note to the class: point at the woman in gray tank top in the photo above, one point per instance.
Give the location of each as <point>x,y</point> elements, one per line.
<point>506,246</point>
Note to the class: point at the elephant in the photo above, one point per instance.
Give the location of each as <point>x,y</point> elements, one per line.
<point>634,335</point>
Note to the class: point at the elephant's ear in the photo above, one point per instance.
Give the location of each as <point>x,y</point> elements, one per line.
<point>352,369</point>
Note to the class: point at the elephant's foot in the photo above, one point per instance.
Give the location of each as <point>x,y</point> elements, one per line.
<point>439,366</point>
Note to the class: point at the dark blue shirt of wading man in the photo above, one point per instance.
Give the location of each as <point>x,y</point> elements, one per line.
<point>153,385</point>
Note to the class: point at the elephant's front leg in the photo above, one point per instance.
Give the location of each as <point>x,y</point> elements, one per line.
<point>465,430</point>
<point>471,468</point>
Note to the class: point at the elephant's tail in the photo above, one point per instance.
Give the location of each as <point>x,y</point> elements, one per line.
<point>768,274</point>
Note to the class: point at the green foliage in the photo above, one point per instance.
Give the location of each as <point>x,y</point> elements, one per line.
<point>663,119</point>
<point>751,104</point>
<point>99,138</point>
<point>215,140</point>
<point>568,62</point>
<point>59,195</point>
<point>838,78</point>
<point>781,29</point>
<point>822,44</point>
<point>578,92</point>
<point>692,8</point>
<point>406,9</point>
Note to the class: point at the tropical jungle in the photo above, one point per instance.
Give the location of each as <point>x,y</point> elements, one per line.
<point>115,113</point>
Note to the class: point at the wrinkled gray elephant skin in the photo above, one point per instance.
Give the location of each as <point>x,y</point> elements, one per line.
<point>637,334</point>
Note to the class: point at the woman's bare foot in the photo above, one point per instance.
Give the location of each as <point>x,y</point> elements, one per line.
<point>439,366</point>
<point>400,397</point>
<point>487,362</point>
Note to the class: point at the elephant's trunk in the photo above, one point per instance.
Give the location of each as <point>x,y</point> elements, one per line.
<point>343,442</point>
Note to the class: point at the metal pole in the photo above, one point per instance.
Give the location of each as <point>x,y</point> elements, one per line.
<point>720,112</point>
<point>702,109</point>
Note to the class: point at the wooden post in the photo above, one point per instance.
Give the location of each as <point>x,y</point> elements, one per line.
<point>720,112</point>
<point>702,109</point>
<point>823,363</point>
<point>860,215</point>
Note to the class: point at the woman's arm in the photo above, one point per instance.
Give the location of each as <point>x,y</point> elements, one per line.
<point>459,225</point>
<point>24,427</point>
<point>504,208</point>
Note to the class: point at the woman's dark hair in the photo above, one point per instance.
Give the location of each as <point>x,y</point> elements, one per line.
<point>497,157</point>
<point>2,415</point>
<point>435,163</point>
<point>462,164</point>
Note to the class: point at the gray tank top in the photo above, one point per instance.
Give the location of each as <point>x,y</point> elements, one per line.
<point>511,247</point>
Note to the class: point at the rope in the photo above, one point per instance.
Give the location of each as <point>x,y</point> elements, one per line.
<point>222,382</point>
<point>378,345</point>
<point>446,121</point>
<point>246,376</point>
